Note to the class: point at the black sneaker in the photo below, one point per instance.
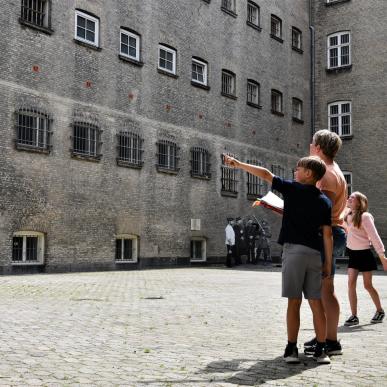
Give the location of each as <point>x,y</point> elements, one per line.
<point>353,320</point>
<point>320,355</point>
<point>378,317</point>
<point>310,343</point>
<point>333,348</point>
<point>291,354</point>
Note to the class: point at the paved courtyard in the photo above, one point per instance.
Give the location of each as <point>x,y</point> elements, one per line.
<point>173,327</point>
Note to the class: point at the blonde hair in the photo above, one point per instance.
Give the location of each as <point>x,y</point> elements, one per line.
<point>359,211</point>
<point>329,142</point>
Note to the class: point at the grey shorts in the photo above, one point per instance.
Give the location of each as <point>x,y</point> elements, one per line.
<point>301,272</point>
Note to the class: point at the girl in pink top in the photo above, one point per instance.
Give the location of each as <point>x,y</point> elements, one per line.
<point>361,234</point>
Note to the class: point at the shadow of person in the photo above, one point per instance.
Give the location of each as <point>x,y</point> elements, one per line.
<point>247,372</point>
<point>357,328</point>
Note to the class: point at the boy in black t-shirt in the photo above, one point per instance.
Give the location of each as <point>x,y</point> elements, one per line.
<point>306,215</point>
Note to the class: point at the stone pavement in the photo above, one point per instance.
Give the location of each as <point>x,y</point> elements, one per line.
<point>173,327</point>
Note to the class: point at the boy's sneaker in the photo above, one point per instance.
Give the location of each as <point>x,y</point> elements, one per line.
<point>333,348</point>
<point>320,355</point>
<point>353,320</point>
<point>378,318</point>
<point>291,354</point>
<point>310,346</point>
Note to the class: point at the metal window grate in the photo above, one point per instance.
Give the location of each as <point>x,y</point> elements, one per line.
<point>228,179</point>
<point>276,26</point>
<point>253,14</point>
<point>200,165</point>
<point>130,148</point>
<point>229,4</point>
<point>228,83</point>
<point>167,155</point>
<point>32,129</point>
<point>252,92</point>
<point>34,11</point>
<point>17,249</point>
<point>255,185</point>
<point>86,139</point>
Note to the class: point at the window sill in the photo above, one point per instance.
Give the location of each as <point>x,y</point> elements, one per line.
<point>161,71</point>
<point>81,156</point>
<point>277,38</point>
<point>347,137</point>
<point>88,45</point>
<point>167,171</point>
<point>126,261</point>
<point>255,26</point>
<point>130,60</point>
<point>335,2</point>
<point>37,263</point>
<point>229,12</point>
<point>297,120</point>
<point>280,114</point>
<point>340,69</point>
<point>254,105</point>
<point>200,86</point>
<point>33,149</point>
<point>201,177</point>
<point>231,96</point>
<point>207,1</point>
<point>299,50</point>
<point>201,260</point>
<point>46,30</point>
<point>127,164</point>
<point>253,197</point>
<point>229,194</point>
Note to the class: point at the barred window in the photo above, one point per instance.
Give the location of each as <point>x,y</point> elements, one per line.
<point>130,149</point>
<point>339,118</point>
<point>86,28</point>
<point>86,140</point>
<point>253,13</point>
<point>200,162</point>
<point>36,12</point>
<point>167,155</point>
<point>199,71</point>
<point>27,247</point>
<point>276,102</point>
<point>296,38</point>
<point>228,83</point>
<point>228,180</point>
<point>339,50</point>
<point>279,171</point>
<point>198,249</point>
<point>33,130</point>
<point>130,44</point>
<point>276,27</point>
<point>297,109</point>
<point>255,185</point>
<point>348,179</point>
<point>229,5</point>
<point>126,248</point>
<point>167,59</point>
<point>253,94</point>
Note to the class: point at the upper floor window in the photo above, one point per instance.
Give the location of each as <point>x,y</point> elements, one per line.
<point>339,118</point>
<point>200,162</point>
<point>167,59</point>
<point>130,152</point>
<point>167,156</point>
<point>276,102</point>
<point>33,130</point>
<point>297,109</point>
<point>36,12</point>
<point>229,5</point>
<point>27,247</point>
<point>276,27</point>
<point>228,179</point>
<point>348,179</point>
<point>339,50</point>
<point>279,171</point>
<point>86,140</point>
<point>86,28</point>
<point>130,44</point>
<point>296,39</point>
<point>199,71</point>
<point>126,248</point>
<point>228,83</point>
<point>253,14</point>
<point>255,185</point>
<point>253,93</point>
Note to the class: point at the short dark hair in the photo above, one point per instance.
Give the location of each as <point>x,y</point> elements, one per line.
<point>315,164</point>
<point>329,142</point>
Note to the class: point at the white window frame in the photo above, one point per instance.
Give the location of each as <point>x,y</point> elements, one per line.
<point>205,69</point>
<point>96,32</point>
<point>339,48</point>
<point>204,249</point>
<point>340,116</point>
<point>173,52</point>
<point>348,178</point>
<point>135,243</point>
<point>278,107</point>
<point>40,256</point>
<point>250,9</point>
<point>130,35</point>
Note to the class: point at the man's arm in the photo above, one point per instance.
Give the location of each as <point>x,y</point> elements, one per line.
<point>255,170</point>
<point>328,250</point>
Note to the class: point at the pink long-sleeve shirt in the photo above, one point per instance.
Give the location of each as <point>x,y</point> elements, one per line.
<point>361,238</point>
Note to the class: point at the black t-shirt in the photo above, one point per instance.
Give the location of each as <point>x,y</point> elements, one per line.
<point>306,209</point>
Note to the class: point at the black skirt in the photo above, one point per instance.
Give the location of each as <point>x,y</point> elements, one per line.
<point>362,260</point>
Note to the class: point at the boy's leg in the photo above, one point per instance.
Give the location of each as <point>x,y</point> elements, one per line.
<point>319,321</point>
<point>331,308</point>
<point>293,318</point>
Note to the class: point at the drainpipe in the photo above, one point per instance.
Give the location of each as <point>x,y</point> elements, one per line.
<point>312,69</point>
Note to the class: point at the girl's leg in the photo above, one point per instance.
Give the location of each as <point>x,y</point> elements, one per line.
<point>352,279</point>
<point>367,280</point>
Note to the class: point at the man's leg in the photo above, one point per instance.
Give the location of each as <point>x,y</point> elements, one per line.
<point>293,318</point>
<point>319,321</point>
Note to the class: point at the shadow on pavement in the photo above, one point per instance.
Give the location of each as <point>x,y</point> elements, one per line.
<point>357,328</point>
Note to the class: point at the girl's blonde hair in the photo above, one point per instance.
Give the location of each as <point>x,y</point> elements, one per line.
<point>358,212</point>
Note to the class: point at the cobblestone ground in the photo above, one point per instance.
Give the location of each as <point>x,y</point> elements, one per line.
<point>173,327</point>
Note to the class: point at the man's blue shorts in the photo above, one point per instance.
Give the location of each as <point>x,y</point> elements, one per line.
<point>339,243</point>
